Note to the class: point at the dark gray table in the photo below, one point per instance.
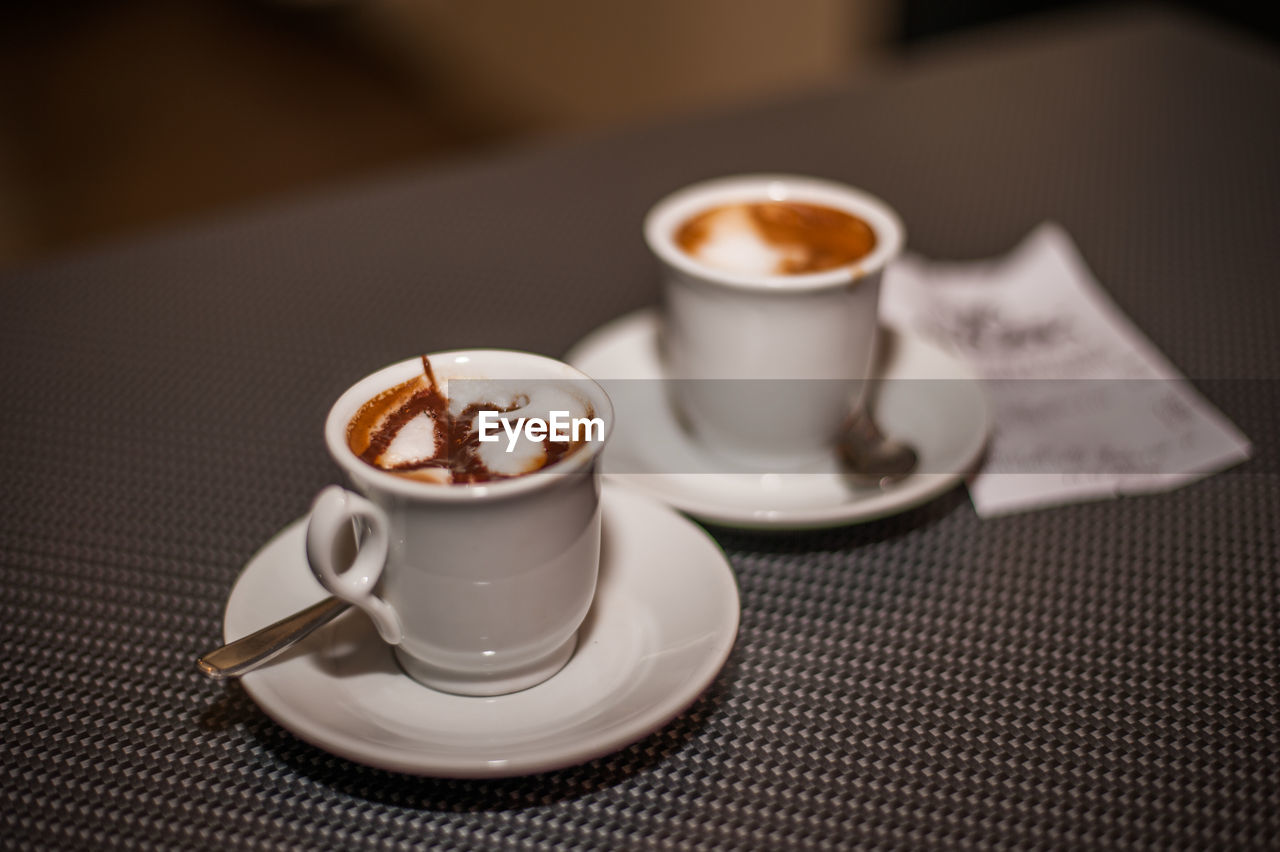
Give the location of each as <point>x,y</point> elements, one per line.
<point>1100,675</point>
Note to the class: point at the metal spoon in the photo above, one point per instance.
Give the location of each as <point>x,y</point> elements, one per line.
<point>247,653</point>
<point>870,457</point>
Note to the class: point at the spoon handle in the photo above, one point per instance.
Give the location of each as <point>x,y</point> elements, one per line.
<point>247,653</point>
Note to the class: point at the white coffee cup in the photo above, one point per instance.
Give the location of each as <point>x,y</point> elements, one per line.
<point>479,587</point>
<point>802,341</point>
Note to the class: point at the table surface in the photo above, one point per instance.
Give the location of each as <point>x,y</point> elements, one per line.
<point>1102,674</point>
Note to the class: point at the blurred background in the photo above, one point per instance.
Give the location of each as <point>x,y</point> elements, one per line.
<point>117,118</point>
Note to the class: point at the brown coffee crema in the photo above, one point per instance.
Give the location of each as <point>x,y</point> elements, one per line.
<point>804,237</point>
<point>455,458</point>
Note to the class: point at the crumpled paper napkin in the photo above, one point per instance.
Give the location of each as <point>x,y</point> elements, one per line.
<point>1085,405</point>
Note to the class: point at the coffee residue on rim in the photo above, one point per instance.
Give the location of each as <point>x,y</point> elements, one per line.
<point>457,441</point>
<point>807,237</point>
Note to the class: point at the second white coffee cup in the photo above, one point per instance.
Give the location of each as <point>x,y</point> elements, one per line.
<point>480,588</point>
<point>765,369</point>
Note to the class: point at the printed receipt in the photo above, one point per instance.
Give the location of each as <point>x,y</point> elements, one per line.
<point>1085,406</point>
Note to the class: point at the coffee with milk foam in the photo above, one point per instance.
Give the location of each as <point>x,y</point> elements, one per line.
<point>775,238</point>
<point>470,430</point>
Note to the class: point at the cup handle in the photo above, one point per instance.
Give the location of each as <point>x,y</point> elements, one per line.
<point>351,579</point>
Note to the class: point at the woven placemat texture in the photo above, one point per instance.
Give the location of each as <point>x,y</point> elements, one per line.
<point>1103,675</point>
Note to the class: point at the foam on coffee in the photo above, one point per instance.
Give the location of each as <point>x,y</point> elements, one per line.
<point>775,238</point>
<point>419,430</point>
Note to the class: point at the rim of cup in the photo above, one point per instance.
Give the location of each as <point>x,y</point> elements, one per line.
<point>491,364</point>
<point>669,213</point>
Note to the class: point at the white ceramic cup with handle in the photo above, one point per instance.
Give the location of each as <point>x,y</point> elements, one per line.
<point>480,588</point>
<point>765,368</point>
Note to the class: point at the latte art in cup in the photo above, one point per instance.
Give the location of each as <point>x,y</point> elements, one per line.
<point>479,588</point>
<point>775,238</point>
<point>470,430</point>
<point>770,278</point>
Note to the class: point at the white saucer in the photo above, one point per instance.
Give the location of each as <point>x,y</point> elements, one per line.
<point>663,623</point>
<point>943,412</point>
